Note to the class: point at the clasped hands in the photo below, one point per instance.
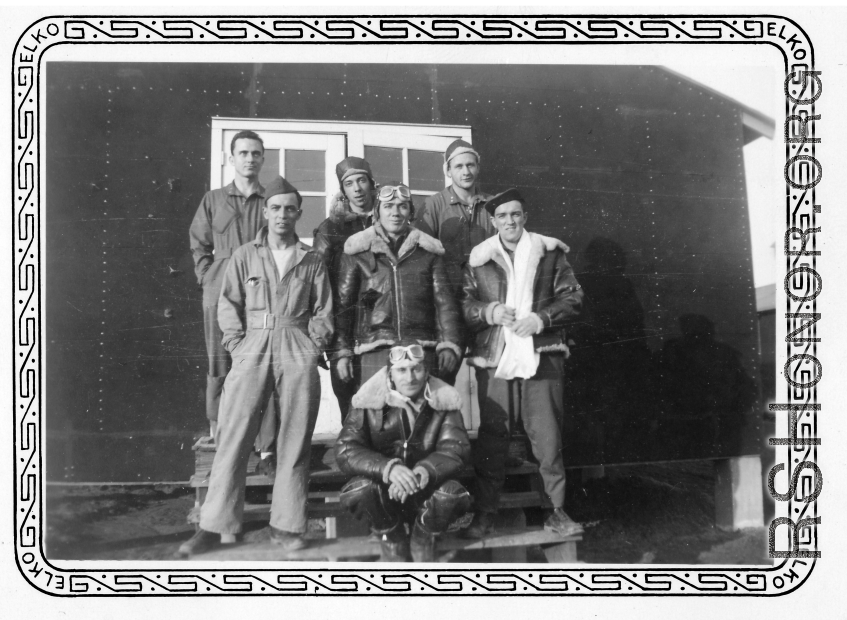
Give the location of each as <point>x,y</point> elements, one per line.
<point>406,482</point>
<point>505,315</point>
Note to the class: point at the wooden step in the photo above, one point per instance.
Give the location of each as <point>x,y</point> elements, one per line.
<point>330,506</point>
<point>335,476</point>
<point>367,547</point>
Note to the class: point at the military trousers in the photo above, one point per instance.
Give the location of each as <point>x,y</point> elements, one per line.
<point>538,403</point>
<point>280,364</point>
<point>219,365</point>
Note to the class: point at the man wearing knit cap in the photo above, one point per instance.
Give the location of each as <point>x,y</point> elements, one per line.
<point>455,215</point>
<point>351,211</point>
<point>226,219</point>
<point>519,293</point>
<point>275,311</point>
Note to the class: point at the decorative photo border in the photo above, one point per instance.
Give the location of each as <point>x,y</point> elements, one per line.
<point>796,448</point>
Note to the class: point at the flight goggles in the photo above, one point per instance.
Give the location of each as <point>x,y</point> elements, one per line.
<point>413,352</point>
<point>387,192</point>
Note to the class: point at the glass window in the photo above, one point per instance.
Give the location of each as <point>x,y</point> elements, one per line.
<point>425,170</point>
<point>386,164</point>
<point>270,169</point>
<point>306,170</point>
<point>314,212</point>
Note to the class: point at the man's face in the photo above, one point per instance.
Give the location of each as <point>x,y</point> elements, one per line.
<point>509,219</point>
<point>464,170</point>
<point>394,215</point>
<point>357,188</point>
<point>247,158</point>
<point>409,380</point>
<point>282,213</point>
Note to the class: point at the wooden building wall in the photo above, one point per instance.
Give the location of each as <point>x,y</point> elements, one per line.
<point>644,162</point>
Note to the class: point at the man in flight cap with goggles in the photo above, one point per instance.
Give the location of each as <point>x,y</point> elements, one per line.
<point>519,292</point>
<point>393,287</point>
<point>403,442</point>
<point>275,310</point>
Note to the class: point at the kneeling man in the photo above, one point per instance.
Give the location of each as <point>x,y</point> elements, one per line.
<point>404,441</point>
<point>519,292</point>
<point>275,311</point>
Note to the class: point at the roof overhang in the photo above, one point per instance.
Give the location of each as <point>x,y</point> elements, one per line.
<point>754,123</point>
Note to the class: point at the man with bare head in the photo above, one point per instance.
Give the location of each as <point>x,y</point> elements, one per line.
<point>228,218</point>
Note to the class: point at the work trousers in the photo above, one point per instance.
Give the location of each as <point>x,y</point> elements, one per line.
<point>289,375</point>
<point>434,510</point>
<point>219,365</point>
<point>538,403</point>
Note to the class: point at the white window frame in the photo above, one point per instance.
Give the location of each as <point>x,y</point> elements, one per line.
<point>404,136</point>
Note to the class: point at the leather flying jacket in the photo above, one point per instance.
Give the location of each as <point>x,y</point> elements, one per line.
<point>333,232</point>
<point>385,299</point>
<point>556,298</point>
<point>373,436</point>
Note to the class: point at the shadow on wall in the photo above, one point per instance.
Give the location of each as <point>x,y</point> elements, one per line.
<point>626,402</point>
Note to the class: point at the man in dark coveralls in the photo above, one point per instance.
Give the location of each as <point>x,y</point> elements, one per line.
<point>455,215</point>
<point>228,218</point>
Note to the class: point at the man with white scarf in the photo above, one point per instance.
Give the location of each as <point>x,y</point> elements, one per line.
<point>519,292</point>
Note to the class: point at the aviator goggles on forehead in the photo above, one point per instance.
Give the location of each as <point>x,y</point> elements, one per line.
<point>387,192</point>
<point>413,352</point>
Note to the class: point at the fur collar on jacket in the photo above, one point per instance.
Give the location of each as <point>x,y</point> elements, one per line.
<point>340,211</point>
<point>374,394</point>
<point>368,239</point>
<point>488,250</point>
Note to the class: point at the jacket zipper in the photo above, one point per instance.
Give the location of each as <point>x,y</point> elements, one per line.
<point>405,439</point>
<point>397,299</point>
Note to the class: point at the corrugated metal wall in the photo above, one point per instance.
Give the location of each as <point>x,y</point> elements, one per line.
<point>628,155</point>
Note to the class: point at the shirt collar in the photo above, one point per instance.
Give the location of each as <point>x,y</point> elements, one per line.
<point>232,190</point>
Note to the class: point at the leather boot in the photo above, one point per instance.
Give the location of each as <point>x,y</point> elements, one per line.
<point>481,526</point>
<point>394,544</point>
<point>423,544</point>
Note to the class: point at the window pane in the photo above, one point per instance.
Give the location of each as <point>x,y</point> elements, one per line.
<point>314,212</point>
<point>306,170</point>
<point>386,164</point>
<point>270,169</point>
<point>425,170</point>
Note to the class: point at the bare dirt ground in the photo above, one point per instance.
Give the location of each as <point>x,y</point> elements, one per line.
<point>651,514</point>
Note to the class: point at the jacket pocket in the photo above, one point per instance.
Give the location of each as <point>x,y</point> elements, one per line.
<point>223,220</point>
<point>256,289</point>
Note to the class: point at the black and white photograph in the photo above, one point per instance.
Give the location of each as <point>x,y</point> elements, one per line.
<point>419,306</point>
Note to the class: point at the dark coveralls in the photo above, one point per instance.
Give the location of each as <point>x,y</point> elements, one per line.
<point>276,330</point>
<point>378,433</point>
<point>460,227</point>
<point>224,221</point>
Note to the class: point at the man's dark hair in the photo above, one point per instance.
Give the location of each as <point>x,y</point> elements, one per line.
<point>245,135</point>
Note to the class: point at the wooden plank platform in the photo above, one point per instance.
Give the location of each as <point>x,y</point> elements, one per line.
<point>364,547</point>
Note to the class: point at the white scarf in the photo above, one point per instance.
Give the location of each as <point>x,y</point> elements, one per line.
<point>519,358</point>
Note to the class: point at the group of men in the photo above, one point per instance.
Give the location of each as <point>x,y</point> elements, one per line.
<point>273,307</point>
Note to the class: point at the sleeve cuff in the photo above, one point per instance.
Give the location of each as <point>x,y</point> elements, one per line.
<point>387,469</point>
<point>452,347</point>
<point>538,321</point>
<point>489,312</point>
<point>337,355</point>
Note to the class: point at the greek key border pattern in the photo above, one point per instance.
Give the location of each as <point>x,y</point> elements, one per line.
<point>798,54</point>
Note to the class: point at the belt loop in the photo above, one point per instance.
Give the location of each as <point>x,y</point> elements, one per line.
<point>265,321</point>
